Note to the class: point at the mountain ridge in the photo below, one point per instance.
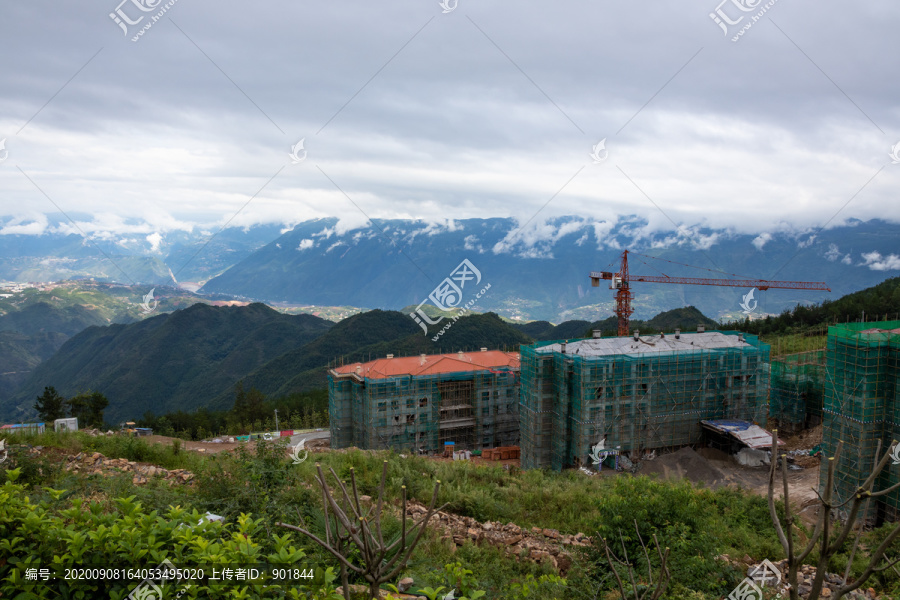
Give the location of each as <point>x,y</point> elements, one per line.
<point>167,361</point>
<point>543,274</point>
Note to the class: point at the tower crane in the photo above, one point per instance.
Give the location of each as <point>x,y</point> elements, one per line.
<point>621,282</point>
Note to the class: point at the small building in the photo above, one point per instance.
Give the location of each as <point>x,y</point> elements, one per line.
<point>23,428</point>
<point>67,424</point>
<point>417,404</point>
<point>635,393</point>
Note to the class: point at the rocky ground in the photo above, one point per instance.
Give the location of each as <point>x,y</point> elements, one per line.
<point>805,578</point>
<point>96,463</point>
<point>705,466</point>
<point>536,544</point>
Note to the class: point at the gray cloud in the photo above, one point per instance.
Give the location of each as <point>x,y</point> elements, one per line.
<point>485,111</point>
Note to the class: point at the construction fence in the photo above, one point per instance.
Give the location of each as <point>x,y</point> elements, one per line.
<point>860,408</point>
<point>634,401</point>
<point>419,414</point>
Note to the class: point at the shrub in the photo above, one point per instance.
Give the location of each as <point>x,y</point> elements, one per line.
<point>54,536</point>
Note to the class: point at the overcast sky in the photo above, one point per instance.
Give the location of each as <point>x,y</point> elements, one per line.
<point>490,109</point>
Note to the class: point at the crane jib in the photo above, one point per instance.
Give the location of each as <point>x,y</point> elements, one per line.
<point>622,279</point>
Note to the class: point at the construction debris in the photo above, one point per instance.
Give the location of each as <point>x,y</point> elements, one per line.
<point>96,432</point>
<point>502,453</point>
<point>96,463</point>
<point>742,432</point>
<point>685,464</point>
<point>535,545</point>
<point>805,577</point>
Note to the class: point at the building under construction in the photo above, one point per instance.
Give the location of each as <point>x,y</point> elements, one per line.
<point>798,390</point>
<point>635,393</point>
<point>418,404</point>
<point>863,366</point>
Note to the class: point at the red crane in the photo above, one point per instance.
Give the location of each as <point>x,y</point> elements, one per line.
<point>621,282</point>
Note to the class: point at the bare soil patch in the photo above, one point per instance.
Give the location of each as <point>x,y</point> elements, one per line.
<point>685,464</point>
<point>206,447</point>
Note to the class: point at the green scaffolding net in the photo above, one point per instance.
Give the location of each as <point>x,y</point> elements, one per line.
<point>633,401</point>
<point>860,408</point>
<point>798,390</point>
<point>419,414</point>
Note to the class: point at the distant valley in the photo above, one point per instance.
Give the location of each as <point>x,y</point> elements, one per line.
<point>543,274</point>
<point>539,272</point>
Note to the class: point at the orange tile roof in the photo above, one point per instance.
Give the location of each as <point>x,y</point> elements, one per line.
<point>431,364</point>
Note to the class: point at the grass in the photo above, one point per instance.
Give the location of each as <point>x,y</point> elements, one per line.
<point>697,524</point>
<point>114,446</point>
<point>782,344</point>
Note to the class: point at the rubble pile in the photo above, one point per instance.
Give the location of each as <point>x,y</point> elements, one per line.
<point>805,576</point>
<point>96,432</point>
<point>360,590</point>
<point>537,545</point>
<point>91,463</point>
<point>502,453</point>
<point>832,583</point>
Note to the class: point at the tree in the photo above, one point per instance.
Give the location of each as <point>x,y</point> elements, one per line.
<point>646,590</point>
<point>97,404</point>
<point>88,407</point>
<point>164,426</point>
<point>50,405</point>
<point>248,406</point>
<point>828,542</point>
<point>76,406</point>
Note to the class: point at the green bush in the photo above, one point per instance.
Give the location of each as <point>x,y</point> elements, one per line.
<point>55,535</point>
<point>696,524</point>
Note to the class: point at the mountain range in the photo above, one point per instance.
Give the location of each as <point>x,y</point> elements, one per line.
<point>538,271</point>
<point>179,360</point>
<point>53,249</point>
<point>193,357</point>
<point>32,335</point>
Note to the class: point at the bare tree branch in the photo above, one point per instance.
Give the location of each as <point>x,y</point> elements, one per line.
<point>363,530</point>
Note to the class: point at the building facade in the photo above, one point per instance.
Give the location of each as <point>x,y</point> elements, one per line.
<point>635,393</point>
<point>861,410</point>
<point>798,390</point>
<point>417,404</point>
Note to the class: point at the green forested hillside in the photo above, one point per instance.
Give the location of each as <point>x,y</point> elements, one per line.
<point>20,354</point>
<point>374,334</point>
<point>192,358</point>
<point>182,360</point>
<point>42,317</point>
<point>344,338</point>
<point>32,334</point>
<point>544,330</point>
<point>873,304</point>
<point>684,318</point>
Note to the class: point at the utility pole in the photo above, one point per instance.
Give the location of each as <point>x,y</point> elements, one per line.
<point>276,420</point>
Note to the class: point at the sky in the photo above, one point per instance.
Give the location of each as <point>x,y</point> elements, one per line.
<point>783,115</point>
